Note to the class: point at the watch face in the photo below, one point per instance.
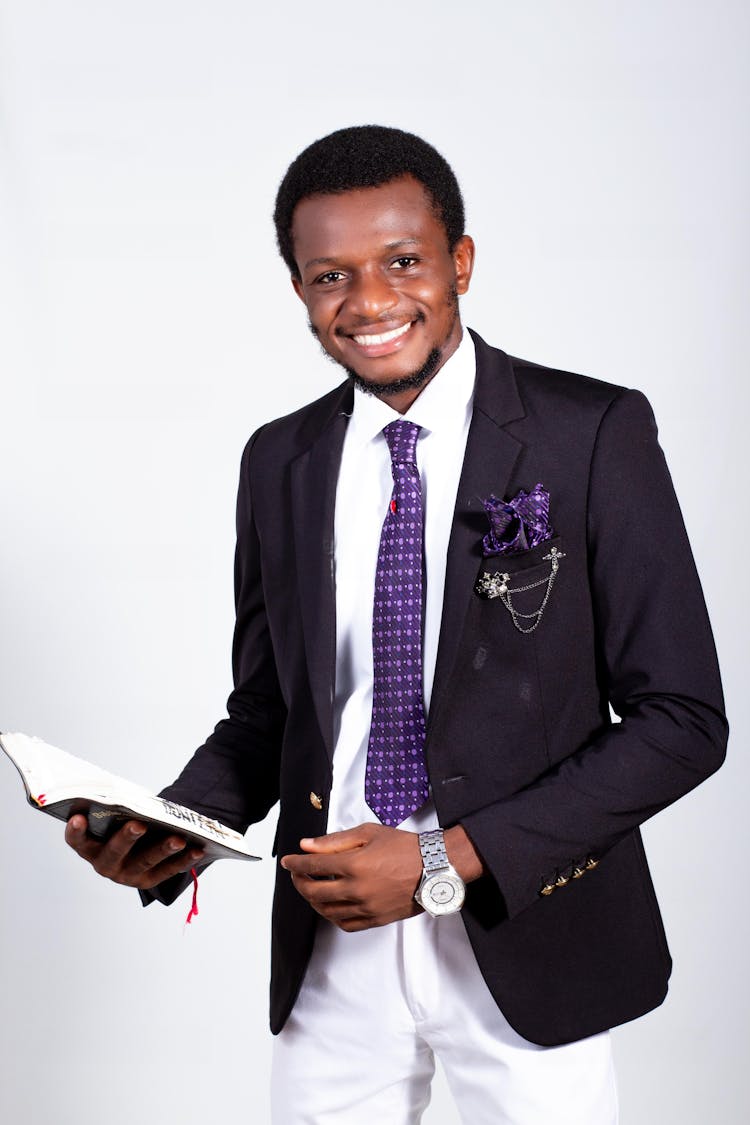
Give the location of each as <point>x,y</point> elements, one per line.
<point>443,894</point>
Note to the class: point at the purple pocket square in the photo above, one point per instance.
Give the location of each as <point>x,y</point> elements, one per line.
<point>517,524</point>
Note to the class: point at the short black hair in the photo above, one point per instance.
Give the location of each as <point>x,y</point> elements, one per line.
<point>364,156</point>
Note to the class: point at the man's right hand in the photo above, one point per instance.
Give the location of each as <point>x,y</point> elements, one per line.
<point>121,858</point>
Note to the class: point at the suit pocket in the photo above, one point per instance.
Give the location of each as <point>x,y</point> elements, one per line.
<point>522,584</point>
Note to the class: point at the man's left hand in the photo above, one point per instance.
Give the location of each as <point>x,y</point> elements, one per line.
<point>360,878</point>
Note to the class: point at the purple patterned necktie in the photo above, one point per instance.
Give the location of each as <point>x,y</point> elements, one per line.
<point>396,782</point>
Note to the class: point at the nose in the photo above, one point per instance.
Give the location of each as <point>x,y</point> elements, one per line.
<point>370,295</point>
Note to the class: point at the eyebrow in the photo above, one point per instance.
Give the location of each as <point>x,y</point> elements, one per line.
<point>389,246</point>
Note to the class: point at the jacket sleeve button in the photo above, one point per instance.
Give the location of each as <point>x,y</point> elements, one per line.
<point>316,801</point>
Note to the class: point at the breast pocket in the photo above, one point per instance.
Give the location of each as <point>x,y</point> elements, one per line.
<point>523,584</point>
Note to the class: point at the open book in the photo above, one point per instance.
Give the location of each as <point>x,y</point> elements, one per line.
<point>61,784</point>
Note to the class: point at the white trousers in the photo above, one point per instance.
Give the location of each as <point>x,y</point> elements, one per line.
<point>377,1007</point>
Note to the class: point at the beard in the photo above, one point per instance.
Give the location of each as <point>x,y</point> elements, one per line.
<point>415,380</point>
<point>412,382</point>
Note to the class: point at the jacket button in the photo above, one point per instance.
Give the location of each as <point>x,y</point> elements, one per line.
<point>591,863</point>
<point>547,889</point>
<point>562,880</point>
<point>316,801</point>
<point>578,872</point>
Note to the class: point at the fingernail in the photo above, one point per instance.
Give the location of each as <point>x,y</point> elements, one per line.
<point>136,832</point>
<point>174,846</point>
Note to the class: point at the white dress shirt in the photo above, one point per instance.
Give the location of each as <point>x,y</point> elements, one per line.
<point>365,484</point>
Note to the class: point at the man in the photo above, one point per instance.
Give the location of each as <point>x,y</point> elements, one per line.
<point>447,569</point>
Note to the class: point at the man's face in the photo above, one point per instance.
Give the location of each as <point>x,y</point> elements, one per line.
<point>380,284</point>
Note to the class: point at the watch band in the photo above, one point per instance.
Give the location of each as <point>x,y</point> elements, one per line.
<point>432,847</point>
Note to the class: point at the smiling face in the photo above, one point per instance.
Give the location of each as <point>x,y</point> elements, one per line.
<point>380,284</point>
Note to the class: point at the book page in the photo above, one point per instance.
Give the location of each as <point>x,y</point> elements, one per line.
<point>53,773</point>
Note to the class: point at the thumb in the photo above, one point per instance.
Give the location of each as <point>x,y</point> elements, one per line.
<point>334,841</point>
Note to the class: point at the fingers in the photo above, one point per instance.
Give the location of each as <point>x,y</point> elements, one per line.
<point>312,867</point>
<point>123,861</point>
<point>336,901</point>
<point>78,839</point>
<point>156,873</point>
<point>331,900</point>
<point>117,849</point>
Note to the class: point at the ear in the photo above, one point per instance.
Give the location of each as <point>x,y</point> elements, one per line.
<point>297,286</point>
<point>463,262</point>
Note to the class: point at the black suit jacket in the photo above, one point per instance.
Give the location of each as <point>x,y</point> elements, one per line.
<point>520,746</point>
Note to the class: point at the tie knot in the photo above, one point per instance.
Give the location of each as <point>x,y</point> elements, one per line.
<point>402,441</point>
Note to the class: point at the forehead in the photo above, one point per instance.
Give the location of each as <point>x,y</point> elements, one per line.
<point>364,220</point>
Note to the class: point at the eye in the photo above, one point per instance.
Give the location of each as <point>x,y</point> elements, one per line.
<point>405,262</point>
<point>329,278</point>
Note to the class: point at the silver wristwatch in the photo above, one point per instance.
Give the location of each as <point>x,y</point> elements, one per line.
<point>441,889</point>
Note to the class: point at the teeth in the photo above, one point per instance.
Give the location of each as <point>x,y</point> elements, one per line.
<point>383,338</point>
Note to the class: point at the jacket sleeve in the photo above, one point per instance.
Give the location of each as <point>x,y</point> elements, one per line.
<point>657,666</point>
<point>234,775</point>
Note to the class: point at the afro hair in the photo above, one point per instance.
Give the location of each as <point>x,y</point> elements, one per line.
<point>365,156</point>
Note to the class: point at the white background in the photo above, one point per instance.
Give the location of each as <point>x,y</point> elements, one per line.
<point>147,327</point>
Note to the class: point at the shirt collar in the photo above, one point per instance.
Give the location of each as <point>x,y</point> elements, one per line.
<point>442,404</point>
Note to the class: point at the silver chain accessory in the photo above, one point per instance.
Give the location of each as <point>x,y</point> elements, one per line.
<point>496,586</point>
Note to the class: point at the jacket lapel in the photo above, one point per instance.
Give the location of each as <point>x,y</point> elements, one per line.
<point>491,453</point>
<point>314,477</point>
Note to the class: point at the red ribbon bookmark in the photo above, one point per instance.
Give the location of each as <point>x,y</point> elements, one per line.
<point>194,906</point>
